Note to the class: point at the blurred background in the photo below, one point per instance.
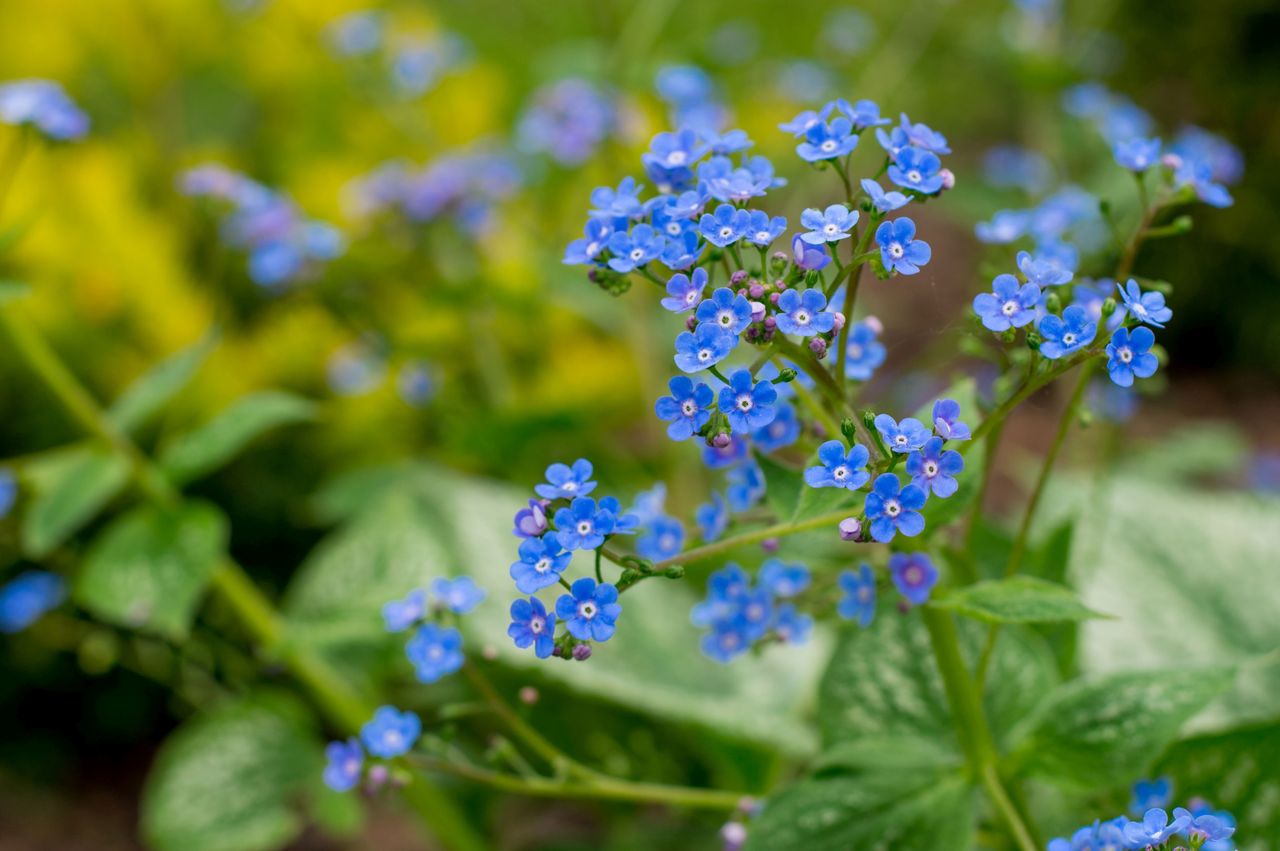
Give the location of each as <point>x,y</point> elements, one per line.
<point>438,322</point>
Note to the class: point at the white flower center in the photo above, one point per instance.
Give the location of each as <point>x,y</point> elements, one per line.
<point>900,439</point>
<point>637,253</point>
<point>673,228</point>
<point>593,248</point>
<point>691,296</point>
<point>830,230</point>
<point>801,317</point>
<point>584,527</point>
<point>688,407</point>
<point>726,318</point>
<point>828,146</point>
<point>676,158</point>
<point>895,250</point>
<point>930,469</point>
<point>537,624</point>
<point>762,236</point>
<point>1068,339</point>
<point>914,176</point>
<point>855,351</point>
<point>744,403</point>
<point>892,508</point>
<point>587,610</point>
<point>1010,308</point>
<point>840,473</point>
<point>704,354</point>
<point>1125,354</point>
<point>542,565</point>
<point>725,233</point>
<point>569,486</point>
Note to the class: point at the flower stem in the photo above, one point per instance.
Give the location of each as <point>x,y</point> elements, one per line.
<point>779,530</point>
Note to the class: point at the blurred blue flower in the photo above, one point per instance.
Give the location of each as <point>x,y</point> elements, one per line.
<point>28,596</point>
<point>913,574</point>
<point>864,353</point>
<point>402,614</point>
<point>859,595</point>
<point>712,518</point>
<point>663,539</point>
<point>391,733</point>
<point>459,596</point>
<point>42,104</point>
<point>435,652</point>
<point>345,759</point>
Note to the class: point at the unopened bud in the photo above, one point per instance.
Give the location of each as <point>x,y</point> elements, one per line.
<point>581,652</point>
<point>737,277</point>
<point>769,545</point>
<point>948,178</point>
<point>850,529</point>
<point>529,695</point>
<point>839,323</point>
<point>721,441</point>
<point>819,347</point>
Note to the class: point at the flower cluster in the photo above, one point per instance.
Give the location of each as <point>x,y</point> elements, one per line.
<point>414,62</point>
<point>44,105</point>
<point>282,244</point>
<point>435,646</point>
<point>1201,828</point>
<point>568,120</point>
<point>913,574</point>
<point>390,733</point>
<point>739,615</point>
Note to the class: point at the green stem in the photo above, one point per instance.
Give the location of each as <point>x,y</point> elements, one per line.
<point>12,161</point>
<point>779,530</point>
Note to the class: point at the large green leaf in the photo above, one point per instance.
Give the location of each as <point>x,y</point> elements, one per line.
<point>228,780</point>
<point>199,452</point>
<point>145,397</point>
<point>148,569</point>
<point>1018,599</point>
<point>1092,732</point>
<point>71,486</point>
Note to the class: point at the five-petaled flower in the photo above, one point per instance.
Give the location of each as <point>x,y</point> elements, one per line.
<point>1009,305</point>
<point>567,482</point>
<point>914,575</point>
<point>459,595</point>
<point>532,625</point>
<point>402,614</point>
<point>839,469</point>
<point>589,611</point>
<point>748,404</point>
<point>685,291</point>
<point>892,508</point>
<point>901,437</point>
<point>918,170</point>
<point>859,600</point>
<point>345,760</point>
<point>900,251</point>
<point>1148,307</point>
<point>704,347</point>
<point>933,469</point>
<point>583,525</point>
<point>885,202</point>
<point>435,651</point>
<point>390,733</point>
<point>829,225</point>
<point>724,227</point>
<point>541,562</point>
<point>823,141</point>
<point>727,310</point>
<point>946,420</point>
<point>687,409</point>
<point>803,313</point>
<point>1066,334</point>
<point>1129,355</point>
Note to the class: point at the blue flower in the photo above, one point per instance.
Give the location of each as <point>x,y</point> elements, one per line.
<point>729,142</point>
<point>726,640</point>
<point>824,141</point>
<point>1212,827</point>
<point>635,249</point>
<point>28,596</point>
<point>44,105</point>
<point>541,562</point>
<point>1150,794</point>
<point>1155,828</point>
<point>914,575</point>
<point>1005,226</point>
<point>918,170</point>
<point>727,310</point>
<point>402,614</point>
<point>891,510</point>
<point>1066,334</point>
<point>859,600</point>
<point>782,432</point>
<point>583,526</point>
<point>864,353</point>
<point>762,230</point>
<point>1136,153</point>
<point>532,624</point>
<point>1092,295</point>
<point>1199,176</point>
<point>682,251</point>
<point>712,518</point>
<point>726,226</point>
<point>1011,306</point>
<point>1129,355</point>
<point>567,482</point>
<point>900,251</point>
<point>748,404</point>
<point>803,313</point>
<point>620,203</point>
<point>684,291</point>
<point>459,595</point>
<point>946,420</point>
<point>932,469</point>
<point>783,580</point>
<point>677,150</point>
<point>885,202</point>
<point>725,588</point>
<point>724,182</point>
<point>1046,270</point>
<point>623,524</point>
<point>8,491</point>
<point>687,409</point>
<point>589,611</point>
<point>746,486</point>
<point>811,258</point>
<point>718,457</point>
<point>531,522</point>
<point>839,469</point>
<point>594,240</point>
<point>663,539</point>
<point>1148,308</point>
<point>706,346</point>
<point>791,625</point>
<point>435,652</point>
<point>902,437</point>
<point>921,136</point>
<point>802,123</point>
<point>391,732</point>
<point>345,760</point>
<point>829,225</point>
<point>863,113</point>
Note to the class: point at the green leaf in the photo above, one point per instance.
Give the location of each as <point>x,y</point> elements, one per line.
<point>148,569</point>
<point>71,486</point>
<point>12,291</point>
<point>227,781</point>
<point>1101,730</point>
<point>784,487</point>
<point>199,452</point>
<point>145,397</point>
<point>1019,599</point>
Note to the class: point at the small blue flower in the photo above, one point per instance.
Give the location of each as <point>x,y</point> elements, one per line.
<point>1045,270</point>
<point>900,251</point>
<point>459,596</point>
<point>864,353</point>
<point>649,504</point>
<point>885,202</point>
<point>762,230</point>
<point>531,522</point>
<point>726,226</point>
<point>345,760</point>
<point>791,625</point>
<point>706,346</point>
<point>782,432</point>
<point>1136,153</point>
<point>729,142</point>
<point>1063,255</point>
<point>918,170</point>
<point>829,225</point>
<point>635,249</point>
<point>748,404</point>
<point>44,105</point>
<point>946,420</point>
<point>783,580</point>
<point>859,600</point>
<point>1092,296</point>
<point>914,575</point>
<point>1009,305</point>
<point>687,409</point>
<point>391,733</point>
<point>922,136</point>
<point>682,251</point>
<point>674,150</point>
<point>1151,794</point>
<point>719,457</point>
<point>8,491</point>
<point>1212,827</point>
<point>726,640</point>
<point>402,614</point>
<point>28,596</point>
<point>623,524</point>
<point>863,113</point>
<point>725,588</point>
<point>541,562</point>
<point>589,611</point>
<point>901,437</point>
<point>1129,355</point>
<point>1148,308</point>
<point>825,141</point>
<point>620,203</point>
<point>583,526</point>
<point>1199,176</point>
<point>567,482</point>
<point>1066,334</point>
<point>932,469</point>
<point>1155,828</point>
<point>1005,226</point>
<point>685,291</point>
<point>435,652</point>
<point>746,486</point>
<point>725,182</point>
<point>532,624</point>
<point>811,258</point>
<point>802,123</point>
<point>803,313</point>
<point>891,510</point>
<point>663,539</point>
<point>712,518</point>
<point>839,469</point>
<point>727,310</point>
